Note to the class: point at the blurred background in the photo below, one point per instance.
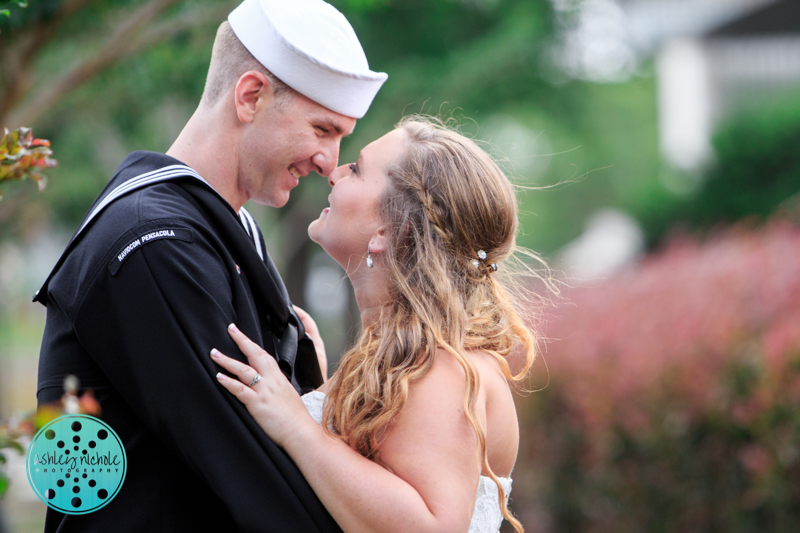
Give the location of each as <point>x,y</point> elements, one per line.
<point>656,144</point>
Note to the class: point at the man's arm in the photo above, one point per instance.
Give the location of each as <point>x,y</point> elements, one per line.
<point>149,325</point>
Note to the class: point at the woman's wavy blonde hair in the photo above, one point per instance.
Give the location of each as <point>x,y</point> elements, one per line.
<point>446,200</point>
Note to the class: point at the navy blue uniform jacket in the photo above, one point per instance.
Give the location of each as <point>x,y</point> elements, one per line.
<point>134,306</point>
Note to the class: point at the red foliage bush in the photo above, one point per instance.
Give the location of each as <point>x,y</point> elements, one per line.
<point>674,400</point>
<point>680,316</point>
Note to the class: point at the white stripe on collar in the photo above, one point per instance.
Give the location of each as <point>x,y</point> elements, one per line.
<point>248,220</point>
<point>139,181</point>
<point>164,174</point>
<point>244,220</point>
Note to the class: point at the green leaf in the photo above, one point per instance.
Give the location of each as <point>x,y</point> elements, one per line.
<point>14,445</point>
<point>5,12</point>
<point>22,156</point>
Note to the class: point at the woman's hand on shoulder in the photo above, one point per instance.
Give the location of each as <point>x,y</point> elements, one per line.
<point>266,393</point>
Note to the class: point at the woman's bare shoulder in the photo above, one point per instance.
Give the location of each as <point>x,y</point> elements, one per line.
<point>448,373</point>
<point>501,423</point>
<point>431,444</point>
<point>436,401</point>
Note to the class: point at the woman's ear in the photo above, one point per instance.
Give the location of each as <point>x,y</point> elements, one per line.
<point>379,241</point>
<point>253,87</point>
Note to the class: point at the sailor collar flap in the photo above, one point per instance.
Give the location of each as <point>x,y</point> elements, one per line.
<point>241,234</point>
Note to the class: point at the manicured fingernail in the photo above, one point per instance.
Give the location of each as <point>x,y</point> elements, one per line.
<point>233,327</point>
<point>221,376</point>
<point>215,353</point>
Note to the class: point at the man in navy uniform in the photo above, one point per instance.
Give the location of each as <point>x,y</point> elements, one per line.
<point>167,257</point>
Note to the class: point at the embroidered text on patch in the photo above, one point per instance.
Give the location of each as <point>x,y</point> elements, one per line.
<point>165,233</point>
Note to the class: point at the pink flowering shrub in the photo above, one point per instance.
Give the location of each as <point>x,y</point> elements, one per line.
<point>674,401</point>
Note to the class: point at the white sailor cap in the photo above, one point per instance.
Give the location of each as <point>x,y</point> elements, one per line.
<point>312,48</point>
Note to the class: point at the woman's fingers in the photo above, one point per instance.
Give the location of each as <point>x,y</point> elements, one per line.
<point>313,332</point>
<point>245,373</point>
<point>246,395</point>
<point>255,353</point>
<point>272,400</point>
<point>308,322</point>
<point>304,317</point>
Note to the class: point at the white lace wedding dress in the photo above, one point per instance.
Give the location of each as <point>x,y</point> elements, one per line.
<point>486,518</point>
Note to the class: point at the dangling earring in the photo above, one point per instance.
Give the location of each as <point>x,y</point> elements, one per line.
<point>369,258</point>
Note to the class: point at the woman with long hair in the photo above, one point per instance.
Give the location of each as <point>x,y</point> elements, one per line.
<point>418,427</point>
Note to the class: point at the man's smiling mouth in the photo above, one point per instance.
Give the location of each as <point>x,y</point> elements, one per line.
<point>293,171</point>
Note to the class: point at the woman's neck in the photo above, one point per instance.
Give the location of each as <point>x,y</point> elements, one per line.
<point>371,290</point>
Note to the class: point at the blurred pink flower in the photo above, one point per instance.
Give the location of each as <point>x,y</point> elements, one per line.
<point>668,329</point>
<point>755,459</point>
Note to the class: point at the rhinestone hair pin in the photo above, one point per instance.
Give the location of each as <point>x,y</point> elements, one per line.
<point>482,257</point>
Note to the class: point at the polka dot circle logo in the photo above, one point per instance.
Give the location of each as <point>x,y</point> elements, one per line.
<point>76,464</point>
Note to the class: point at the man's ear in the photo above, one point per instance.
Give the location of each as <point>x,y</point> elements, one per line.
<point>252,91</point>
<point>379,241</point>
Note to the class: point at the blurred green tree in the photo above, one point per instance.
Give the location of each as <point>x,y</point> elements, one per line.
<point>55,47</point>
<point>5,4</point>
<point>756,171</point>
<point>29,33</point>
<point>99,93</point>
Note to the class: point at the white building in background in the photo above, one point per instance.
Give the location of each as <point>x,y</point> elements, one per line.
<point>710,56</point>
<point>704,76</point>
<point>611,241</point>
<point>685,103</point>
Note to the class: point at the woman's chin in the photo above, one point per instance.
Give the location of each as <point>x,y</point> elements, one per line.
<point>314,230</point>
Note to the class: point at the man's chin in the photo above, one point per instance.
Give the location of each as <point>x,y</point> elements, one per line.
<point>272,200</point>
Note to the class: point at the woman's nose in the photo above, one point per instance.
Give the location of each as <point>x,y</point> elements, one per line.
<point>336,175</point>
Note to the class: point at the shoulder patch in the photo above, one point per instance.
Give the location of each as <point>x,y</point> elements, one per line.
<point>181,234</point>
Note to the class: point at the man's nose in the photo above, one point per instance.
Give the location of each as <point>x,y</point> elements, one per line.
<point>326,159</point>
